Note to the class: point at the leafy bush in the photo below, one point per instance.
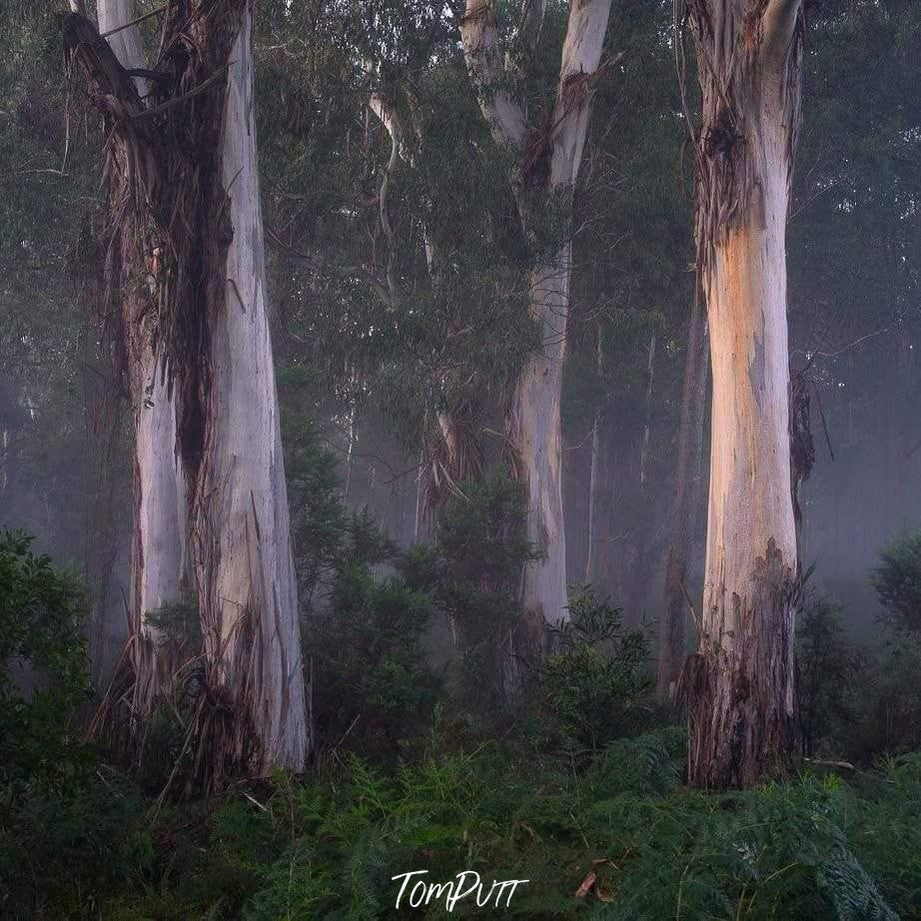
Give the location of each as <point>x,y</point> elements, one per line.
<point>64,850</point>
<point>622,832</point>
<point>887,720</point>
<point>830,669</point>
<point>611,834</point>
<point>41,620</point>
<point>897,581</point>
<point>471,572</point>
<point>596,686</point>
<point>320,522</point>
<point>373,685</point>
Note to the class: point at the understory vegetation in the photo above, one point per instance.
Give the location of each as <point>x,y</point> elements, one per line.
<point>580,791</point>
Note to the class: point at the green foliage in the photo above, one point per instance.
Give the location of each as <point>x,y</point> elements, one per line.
<point>471,572</point>
<point>319,519</point>
<point>65,850</point>
<point>829,671</point>
<point>372,682</point>
<point>888,719</point>
<point>597,684</point>
<point>897,581</point>
<point>364,634</point>
<point>178,623</point>
<point>43,674</point>
<point>328,848</point>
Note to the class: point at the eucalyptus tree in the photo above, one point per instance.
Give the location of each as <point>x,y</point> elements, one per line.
<point>158,543</point>
<point>184,157</point>
<point>545,157</point>
<point>741,684</point>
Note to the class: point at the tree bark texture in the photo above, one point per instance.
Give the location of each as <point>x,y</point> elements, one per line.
<point>187,158</point>
<point>240,527</point>
<point>548,160</point>
<point>740,685</point>
<point>158,548</point>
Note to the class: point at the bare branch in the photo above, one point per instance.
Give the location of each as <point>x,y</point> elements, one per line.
<point>379,106</point>
<point>502,111</point>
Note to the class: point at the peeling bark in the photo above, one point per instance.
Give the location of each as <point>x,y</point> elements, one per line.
<point>187,156</point>
<point>159,526</point>
<point>740,685</point>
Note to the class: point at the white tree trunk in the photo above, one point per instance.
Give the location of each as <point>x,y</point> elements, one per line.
<point>742,708</point>
<point>534,426</point>
<point>535,431</point>
<point>159,527</point>
<point>127,43</point>
<point>195,187</point>
<point>244,564</point>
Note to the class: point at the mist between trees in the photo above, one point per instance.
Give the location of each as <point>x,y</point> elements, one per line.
<point>389,379</point>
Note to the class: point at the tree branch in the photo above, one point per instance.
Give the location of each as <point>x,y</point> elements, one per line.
<point>579,70</point>
<point>378,105</point>
<point>503,112</point>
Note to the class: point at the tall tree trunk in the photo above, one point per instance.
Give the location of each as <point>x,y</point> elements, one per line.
<point>240,528</point>
<point>599,567</point>
<point>687,500</point>
<point>192,190</point>
<point>741,683</point>
<point>158,544</point>
<point>534,428</point>
<point>647,422</point>
<point>549,160</point>
<point>535,432</point>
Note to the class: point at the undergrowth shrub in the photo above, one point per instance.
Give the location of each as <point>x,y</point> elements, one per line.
<point>373,687</point>
<point>67,823</point>
<point>887,719</point>
<point>472,572</point>
<point>596,686</point>
<point>622,832</point>
<point>67,851</point>
<point>610,834</point>
<point>43,669</point>
<point>897,580</point>
<point>830,671</point>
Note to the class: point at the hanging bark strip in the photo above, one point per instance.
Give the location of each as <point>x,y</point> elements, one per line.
<point>128,308</point>
<point>158,558</point>
<point>741,684</point>
<point>547,165</point>
<point>192,184</point>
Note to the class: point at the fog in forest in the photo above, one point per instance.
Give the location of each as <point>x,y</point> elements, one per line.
<point>408,394</point>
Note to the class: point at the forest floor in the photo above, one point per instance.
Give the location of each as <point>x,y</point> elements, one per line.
<point>613,835</point>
